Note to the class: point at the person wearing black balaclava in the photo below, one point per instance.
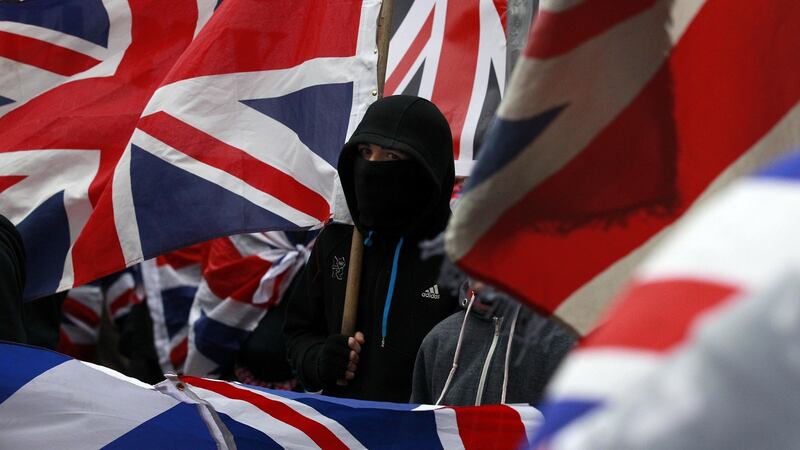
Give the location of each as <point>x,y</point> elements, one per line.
<point>12,283</point>
<point>397,174</point>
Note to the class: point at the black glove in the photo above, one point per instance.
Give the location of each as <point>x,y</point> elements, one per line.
<point>333,359</point>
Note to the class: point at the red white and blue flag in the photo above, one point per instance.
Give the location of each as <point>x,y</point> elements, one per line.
<point>167,132</point>
<point>76,76</point>
<point>738,245</point>
<point>453,53</point>
<point>170,282</point>
<point>83,308</point>
<point>243,277</point>
<point>192,413</point>
<point>619,117</point>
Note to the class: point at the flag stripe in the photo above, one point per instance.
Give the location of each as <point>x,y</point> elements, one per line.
<point>555,33</point>
<point>451,92</point>
<point>53,58</point>
<point>332,26</point>
<point>499,425</point>
<point>119,302</point>
<point>420,41</point>
<point>209,150</point>
<point>81,312</point>
<point>658,313</point>
<point>321,435</point>
<point>25,369</point>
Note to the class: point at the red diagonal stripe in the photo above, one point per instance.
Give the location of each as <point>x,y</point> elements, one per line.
<point>44,55</point>
<point>320,29</point>
<point>210,150</point>
<point>557,32</point>
<point>178,354</point>
<point>184,257</point>
<point>319,433</point>
<point>458,61</point>
<point>657,315</point>
<point>80,312</point>
<point>490,426</point>
<point>120,302</point>
<point>724,102</point>
<point>9,180</point>
<point>411,55</point>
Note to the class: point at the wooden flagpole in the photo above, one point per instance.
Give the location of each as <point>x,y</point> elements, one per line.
<point>357,246</point>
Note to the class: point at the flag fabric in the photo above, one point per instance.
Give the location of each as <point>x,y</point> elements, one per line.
<point>732,386</point>
<point>243,277</point>
<point>82,310</point>
<point>185,132</point>
<point>618,118</point>
<point>283,419</point>
<point>454,54</point>
<point>46,397</point>
<point>75,78</point>
<point>739,244</point>
<point>170,282</point>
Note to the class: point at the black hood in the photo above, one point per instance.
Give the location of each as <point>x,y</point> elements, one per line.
<point>417,127</point>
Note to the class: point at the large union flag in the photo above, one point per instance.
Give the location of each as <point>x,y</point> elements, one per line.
<point>619,117</point>
<point>161,132</point>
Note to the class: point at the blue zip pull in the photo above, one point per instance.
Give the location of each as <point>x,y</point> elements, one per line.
<point>368,239</point>
<point>390,292</point>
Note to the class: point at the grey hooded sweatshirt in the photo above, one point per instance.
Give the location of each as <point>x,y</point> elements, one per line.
<point>481,370</point>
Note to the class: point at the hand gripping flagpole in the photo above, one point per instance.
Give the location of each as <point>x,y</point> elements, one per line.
<point>357,246</point>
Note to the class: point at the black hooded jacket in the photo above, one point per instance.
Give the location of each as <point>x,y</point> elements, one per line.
<point>12,282</point>
<point>315,309</point>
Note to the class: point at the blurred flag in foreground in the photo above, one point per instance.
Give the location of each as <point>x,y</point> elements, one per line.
<point>171,130</point>
<point>46,397</point>
<point>617,119</point>
<point>733,386</point>
<point>742,242</point>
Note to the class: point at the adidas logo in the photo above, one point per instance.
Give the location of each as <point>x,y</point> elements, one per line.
<point>431,292</point>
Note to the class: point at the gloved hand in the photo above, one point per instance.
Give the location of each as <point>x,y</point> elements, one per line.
<point>333,359</point>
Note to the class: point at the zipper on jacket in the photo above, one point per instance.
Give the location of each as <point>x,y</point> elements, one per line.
<point>482,384</point>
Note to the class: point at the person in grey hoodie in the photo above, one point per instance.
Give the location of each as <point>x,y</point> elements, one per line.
<point>493,351</point>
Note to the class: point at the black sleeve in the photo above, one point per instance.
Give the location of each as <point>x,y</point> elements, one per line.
<point>12,282</point>
<point>305,327</point>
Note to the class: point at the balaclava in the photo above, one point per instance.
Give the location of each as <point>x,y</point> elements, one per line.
<point>407,196</point>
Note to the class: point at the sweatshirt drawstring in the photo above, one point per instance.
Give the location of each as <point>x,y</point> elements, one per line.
<point>368,239</point>
<point>508,354</point>
<point>458,350</point>
<point>390,293</point>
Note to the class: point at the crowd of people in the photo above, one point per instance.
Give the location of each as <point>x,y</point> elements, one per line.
<point>418,337</point>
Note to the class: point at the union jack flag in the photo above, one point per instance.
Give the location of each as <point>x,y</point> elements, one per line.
<point>172,139</point>
<point>454,54</point>
<point>192,413</point>
<point>619,117</point>
<point>82,310</point>
<point>731,249</point>
<point>243,277</point>
<point>76,76</point>
<point>170,282</point>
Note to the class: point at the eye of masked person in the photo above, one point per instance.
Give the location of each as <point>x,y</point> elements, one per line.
<point>374,152</point>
